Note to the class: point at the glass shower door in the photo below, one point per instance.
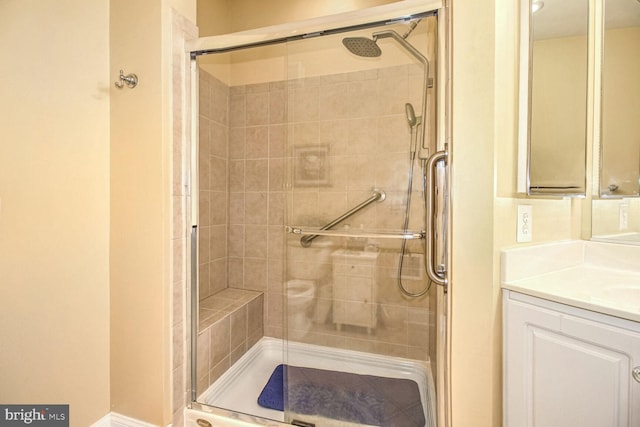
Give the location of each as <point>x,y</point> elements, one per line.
<point>359,311</point>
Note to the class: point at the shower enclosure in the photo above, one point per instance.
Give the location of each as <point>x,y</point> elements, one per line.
<point>318,274</point>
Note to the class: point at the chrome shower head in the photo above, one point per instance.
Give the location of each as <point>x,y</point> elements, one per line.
<point>362,46</point>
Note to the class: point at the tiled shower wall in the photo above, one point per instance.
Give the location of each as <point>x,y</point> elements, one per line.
<point>257,140</point>
<point>359,118</point>
<point>213,143</point>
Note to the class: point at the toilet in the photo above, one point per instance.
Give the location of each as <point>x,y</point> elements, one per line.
<point>307,270</point>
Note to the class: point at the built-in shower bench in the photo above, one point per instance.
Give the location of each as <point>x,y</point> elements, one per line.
<point>230,323</point>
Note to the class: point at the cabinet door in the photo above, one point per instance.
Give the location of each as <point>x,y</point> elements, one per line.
<point>563,370</point>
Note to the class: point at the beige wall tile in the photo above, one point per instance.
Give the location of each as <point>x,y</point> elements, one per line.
<point>255,241</point>
<point>238,327</point>
<point>203,281</point>
<point>237,110</point>
<point>219,140</point>
<point>257,142</point>
<point>305,104</point>
<point>255,208</point>
<point>236,240</point>
<point>204,208</point>
<point>204,252</point>
<point>203,356</point>
<point>204,137</point>
<point>276,174</point>
<point>277,140</point>
<point>219,102</point>
<point>257,108</point>
<point>204,173</point>
<point>218,275</point>
<point>276,276</point>
<point>255,274</point>
<point>236,142</point>
<point>218,174</point>
<point>218,242</point>
<point>220,340</point>
<point>236,175</point>
<point>334,102</point>
<point>277,105</point>
<point>236,208</point>
<point>218,208</point>
<point>256,175</point>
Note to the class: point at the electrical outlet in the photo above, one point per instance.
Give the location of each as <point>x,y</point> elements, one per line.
<point>624,217</point>
<point>525,224</point>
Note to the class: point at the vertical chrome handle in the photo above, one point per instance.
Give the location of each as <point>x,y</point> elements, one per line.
<point>437,276</point>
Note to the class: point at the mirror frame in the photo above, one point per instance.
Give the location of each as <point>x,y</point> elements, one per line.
<point>523,184</point>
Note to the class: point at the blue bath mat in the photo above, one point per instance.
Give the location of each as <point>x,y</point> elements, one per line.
<point>364,399</point>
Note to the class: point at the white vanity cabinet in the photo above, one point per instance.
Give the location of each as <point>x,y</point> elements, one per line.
<point>354,289</point>
<point>565,366</point>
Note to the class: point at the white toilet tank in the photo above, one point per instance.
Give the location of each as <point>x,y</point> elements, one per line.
<point>311,263</point>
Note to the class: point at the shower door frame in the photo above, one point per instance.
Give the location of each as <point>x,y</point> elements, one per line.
<point>363,18</point>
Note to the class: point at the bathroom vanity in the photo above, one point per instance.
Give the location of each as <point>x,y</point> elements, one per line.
<point>571,313</point>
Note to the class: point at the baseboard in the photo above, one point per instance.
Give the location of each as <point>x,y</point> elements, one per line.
<point>117,420</point>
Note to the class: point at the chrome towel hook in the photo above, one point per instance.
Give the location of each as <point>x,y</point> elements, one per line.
<point>131,80</point>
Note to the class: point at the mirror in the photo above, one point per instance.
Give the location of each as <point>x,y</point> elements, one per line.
<point>553,97</point>
<point>616,213</point>
<point>620,146</point>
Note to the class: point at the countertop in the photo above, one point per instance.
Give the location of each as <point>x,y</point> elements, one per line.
<point>596,276</point>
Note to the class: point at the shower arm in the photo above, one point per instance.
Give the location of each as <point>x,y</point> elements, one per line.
<point>425,62</point>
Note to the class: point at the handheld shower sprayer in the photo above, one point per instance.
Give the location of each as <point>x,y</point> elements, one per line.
<point>411,114</point>
<point>413,122</point>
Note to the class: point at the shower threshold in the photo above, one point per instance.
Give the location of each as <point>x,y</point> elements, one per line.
<point>239,387</point>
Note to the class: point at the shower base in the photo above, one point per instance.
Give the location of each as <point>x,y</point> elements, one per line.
<point>238,388</point>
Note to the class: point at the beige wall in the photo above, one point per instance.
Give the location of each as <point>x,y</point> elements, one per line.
<point>473,311</point>
<point>484,201</point>
<point>142,198</point>
<point>137,214</point>
<point>217,17</point>
<point>54,214</point>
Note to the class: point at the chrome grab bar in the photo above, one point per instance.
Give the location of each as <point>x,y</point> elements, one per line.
<point>406,235</point>
<point>377,196</point>
<point>438,277</point>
